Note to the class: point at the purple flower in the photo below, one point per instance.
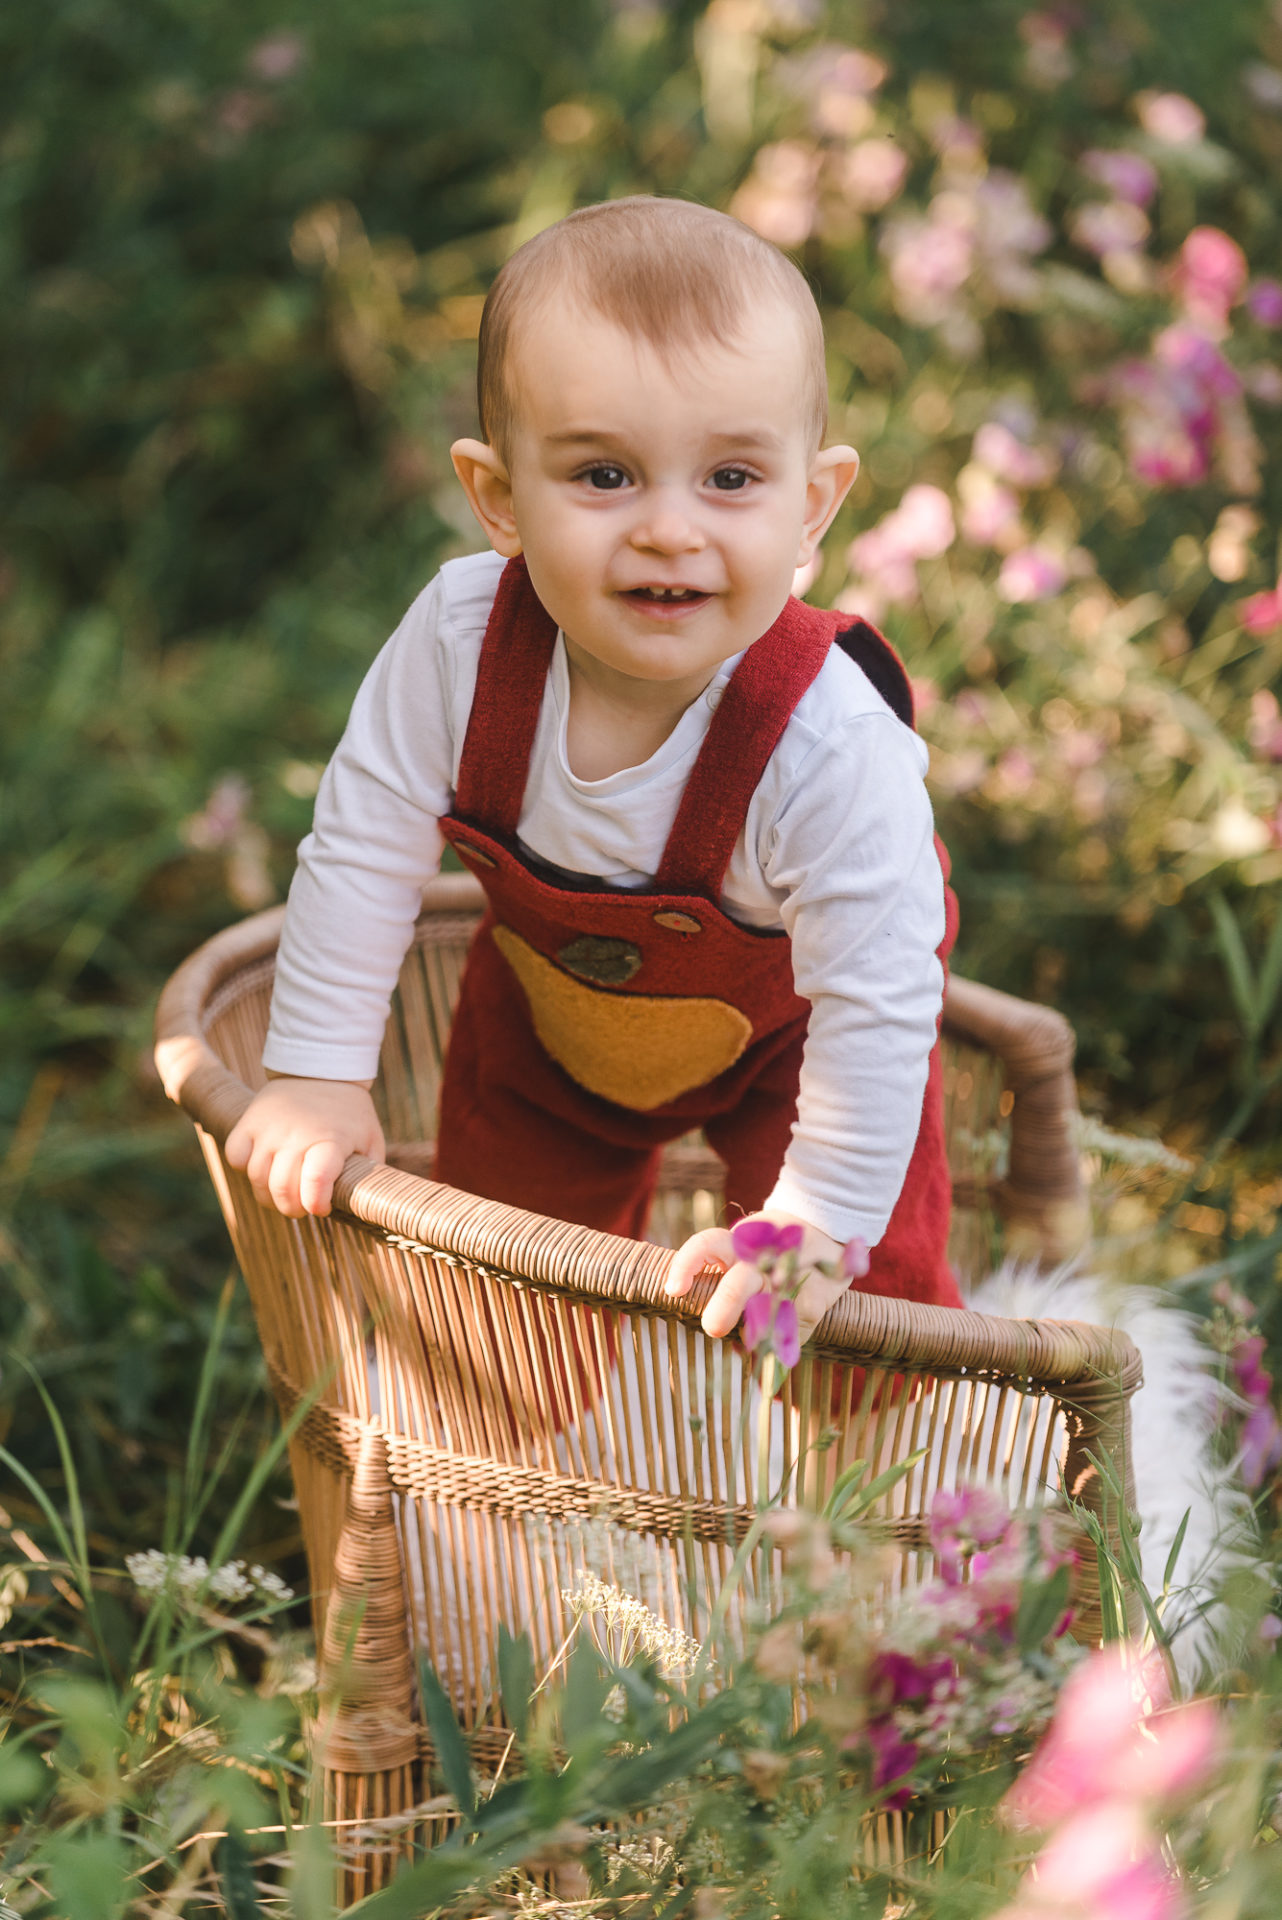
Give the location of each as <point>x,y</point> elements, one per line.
<point>753,1238</point>
<point>1264,302</point>
<point>758,1316</point>
<point>1129,176</point>
<point>787,1334</point>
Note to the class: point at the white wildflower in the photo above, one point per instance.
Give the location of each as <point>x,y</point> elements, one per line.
<point>187,1578</point>
<point>623,1627</point>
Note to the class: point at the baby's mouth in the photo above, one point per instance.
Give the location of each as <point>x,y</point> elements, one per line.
<point>665,596</point>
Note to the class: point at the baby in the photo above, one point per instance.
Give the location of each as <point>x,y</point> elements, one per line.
<point>715,896</point>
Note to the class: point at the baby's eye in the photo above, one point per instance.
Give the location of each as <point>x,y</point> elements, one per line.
<point>605,477</point>
<point>731,479</point>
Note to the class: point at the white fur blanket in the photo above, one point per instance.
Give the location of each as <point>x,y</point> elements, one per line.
<point>1175,1418</point>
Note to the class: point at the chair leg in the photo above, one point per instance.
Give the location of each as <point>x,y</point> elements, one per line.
<point>367,1742</point>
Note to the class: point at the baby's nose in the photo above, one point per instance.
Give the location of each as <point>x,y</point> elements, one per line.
<point>667,527</point>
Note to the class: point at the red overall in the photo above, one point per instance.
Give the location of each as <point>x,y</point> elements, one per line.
<point>595,1023</point>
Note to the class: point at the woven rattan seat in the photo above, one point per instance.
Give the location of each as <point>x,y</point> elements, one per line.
<point>485,1398</point>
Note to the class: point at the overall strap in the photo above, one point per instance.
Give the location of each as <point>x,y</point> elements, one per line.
<point>747,726</point>
<point>510,678</point>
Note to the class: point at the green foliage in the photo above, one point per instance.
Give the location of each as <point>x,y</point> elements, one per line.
<point>241,260</point>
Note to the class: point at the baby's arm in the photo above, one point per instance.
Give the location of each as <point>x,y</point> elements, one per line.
<point>294,1137</point>
<point>375,840</point>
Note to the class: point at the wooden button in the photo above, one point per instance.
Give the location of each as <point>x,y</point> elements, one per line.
<point>679,922</point>
<point>468,852</point>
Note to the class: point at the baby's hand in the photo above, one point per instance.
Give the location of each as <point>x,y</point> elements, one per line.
<point>295,1135</point>
<point>740,1279</point>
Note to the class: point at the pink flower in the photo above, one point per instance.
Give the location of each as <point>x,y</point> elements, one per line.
<point>924,522</point>
<point>1031,573</point>
<point>1264,731</point>
<point>855,1259</point>
<point>872,174</point>
<point>1109,226</point>
<point>1127,176</point>
<point>963,1521</point>
<point>1209,277</point>
<point>276,57</point>
<point>222,817</point>
<point>1261,1444</point>
<point>1179,408</point>
<point>754,1238</point>
<point>1171,118</point>
<point>930,259</point>
<point>1262,613</point>
<point>1107,1864</point>
<point>990,511</point>
<point>779,198</point>
<point>1009,457</point>
<point>1264,302</point>
<point>919,528</point>
<point>1107,1743</point>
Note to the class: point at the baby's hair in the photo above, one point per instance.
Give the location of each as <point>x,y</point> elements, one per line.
<point>667,270</point>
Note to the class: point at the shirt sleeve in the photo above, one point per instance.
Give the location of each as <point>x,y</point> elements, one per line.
<point>852,853</point>
<point>375,841</point>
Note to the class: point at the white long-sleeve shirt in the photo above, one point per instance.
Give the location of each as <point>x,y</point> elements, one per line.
<point>837,848</point>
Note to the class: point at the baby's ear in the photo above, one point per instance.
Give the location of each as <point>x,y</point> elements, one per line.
<point>485,480</point>
<point>832,474</point>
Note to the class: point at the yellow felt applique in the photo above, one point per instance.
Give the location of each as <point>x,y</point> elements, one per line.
<point>638,1049</point>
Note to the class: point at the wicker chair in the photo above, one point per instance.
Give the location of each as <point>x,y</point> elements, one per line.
<point>482,1396</point>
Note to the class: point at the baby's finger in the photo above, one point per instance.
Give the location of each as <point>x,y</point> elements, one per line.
<point>322,1164</point>
<point>282,1183</point>
<point>240,1145</point>
<point>734,1290</point>
<point>711,1248</point>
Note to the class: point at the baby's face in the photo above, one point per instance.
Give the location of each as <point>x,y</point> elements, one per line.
<point>664,506</point>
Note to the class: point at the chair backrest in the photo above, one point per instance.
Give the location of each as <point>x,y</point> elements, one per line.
<point>488,1406</point>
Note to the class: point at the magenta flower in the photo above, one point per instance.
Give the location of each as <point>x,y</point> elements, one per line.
<point>894,1677</point>
<point>1252,1381</point>
<point>770,1320</point>
<point>787,1334</point>
<point>758,1316</point>
<point>893,1757</point>
<point>753,1238</point>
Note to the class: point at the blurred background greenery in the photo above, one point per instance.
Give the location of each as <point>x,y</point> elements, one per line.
<point>242,256</point>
